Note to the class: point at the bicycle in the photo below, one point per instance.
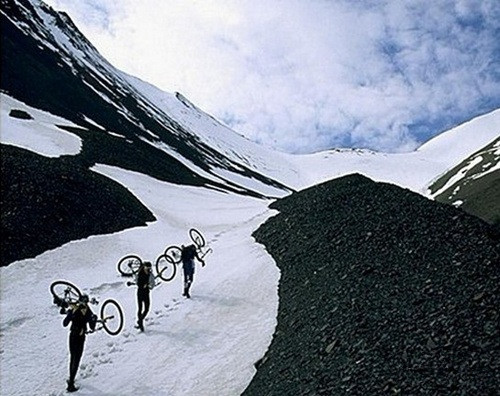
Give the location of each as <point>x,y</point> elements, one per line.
<point>111,318</point>
<point>166,264</point>
<point>66,295</point>
<point>129,265</point>
<point>199,242</point>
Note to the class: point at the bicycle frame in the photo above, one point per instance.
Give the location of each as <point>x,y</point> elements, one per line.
<point>101,322</point>
<point>204,253</point>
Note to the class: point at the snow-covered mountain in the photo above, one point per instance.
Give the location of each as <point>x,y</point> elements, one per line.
<point>97,164</point>
<point>49,65</point>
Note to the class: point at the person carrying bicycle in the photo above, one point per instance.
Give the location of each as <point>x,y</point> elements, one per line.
<point>188,254</point>
<point>79,315</point>
<point>145,282</point>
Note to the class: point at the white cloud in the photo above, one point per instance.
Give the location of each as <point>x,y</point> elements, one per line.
<point>308,75</point>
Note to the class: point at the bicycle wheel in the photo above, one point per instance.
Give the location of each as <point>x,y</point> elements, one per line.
<point>166,268</point>
<point>196,237</point>
<point>64,293</point>
<point>174,252</point>
<point>112,317</point>
<point>129,265</point>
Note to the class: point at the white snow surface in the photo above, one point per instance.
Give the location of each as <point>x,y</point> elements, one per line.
<point>413,170</point>
<point>40,134</point>
<point>206,345</point>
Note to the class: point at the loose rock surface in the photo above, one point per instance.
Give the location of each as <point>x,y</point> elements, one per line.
<point>47,202</point>
<point>382,291</point>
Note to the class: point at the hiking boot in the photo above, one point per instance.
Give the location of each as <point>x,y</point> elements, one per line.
<point>140,326</point>
<point>71,387</point>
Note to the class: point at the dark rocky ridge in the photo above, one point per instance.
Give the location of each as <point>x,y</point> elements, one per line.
<point>47,202</point>
<point>381,292</point>
<point>478,189</point>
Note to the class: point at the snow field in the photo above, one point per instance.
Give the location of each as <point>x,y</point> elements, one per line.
<point>206,345</point>
<point>40,134</point>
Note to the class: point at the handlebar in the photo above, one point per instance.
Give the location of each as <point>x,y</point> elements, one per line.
<point>204,253</point>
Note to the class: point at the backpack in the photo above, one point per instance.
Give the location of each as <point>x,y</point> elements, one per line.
<point>188,254</point>
<point>151,281</point>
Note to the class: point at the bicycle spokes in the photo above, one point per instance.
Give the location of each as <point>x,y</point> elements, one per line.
<point>129,265</point>
<point>197,237</point>
<point>165,267</point>
<point>111,317</point>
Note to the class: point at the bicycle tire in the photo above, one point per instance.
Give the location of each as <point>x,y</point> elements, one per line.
<point>129,265</point>
<point>174,252</point>
<point>64,291</point>
<point>196,237</point>
<point>112,317</point>
<point>166,268</point>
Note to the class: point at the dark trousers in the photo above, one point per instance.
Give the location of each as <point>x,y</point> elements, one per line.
<point>143,303</point>
<point>76,343</point>
<point>188,279</point>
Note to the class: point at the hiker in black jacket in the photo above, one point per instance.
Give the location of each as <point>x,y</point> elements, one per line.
<point>79,315</point>
<point>188,254</point>
<point>145,281</point>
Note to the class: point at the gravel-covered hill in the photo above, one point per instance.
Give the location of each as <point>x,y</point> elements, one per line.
<point>47,202</point>
<point>382,291</point>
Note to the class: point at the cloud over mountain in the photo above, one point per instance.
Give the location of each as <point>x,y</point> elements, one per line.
<point>304,76</point>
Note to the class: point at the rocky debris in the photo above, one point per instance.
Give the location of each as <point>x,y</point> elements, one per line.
<point>382,291</point>
<point>21,114</point>
<point>47,202</point>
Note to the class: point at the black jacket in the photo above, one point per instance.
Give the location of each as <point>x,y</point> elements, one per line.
<point>143,280</point>
<point>79,320</point>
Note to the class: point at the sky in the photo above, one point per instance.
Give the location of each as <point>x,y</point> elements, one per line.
<point>303,76</point>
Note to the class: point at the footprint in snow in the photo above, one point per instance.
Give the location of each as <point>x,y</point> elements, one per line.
<point>87,370</point>
<point>106,287</point>
<point>113,348</point>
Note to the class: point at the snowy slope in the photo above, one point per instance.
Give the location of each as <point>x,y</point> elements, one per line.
<point>474,184</point>
<point>203,346</point>
<point>206,345</point>
<point>413,170</point>
<point>266,161</point>
<point>477,166</point>
<point>46,138</point>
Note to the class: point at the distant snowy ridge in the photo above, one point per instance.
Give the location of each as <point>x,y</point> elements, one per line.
<point>222,155</point>
<point>414,170</point>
